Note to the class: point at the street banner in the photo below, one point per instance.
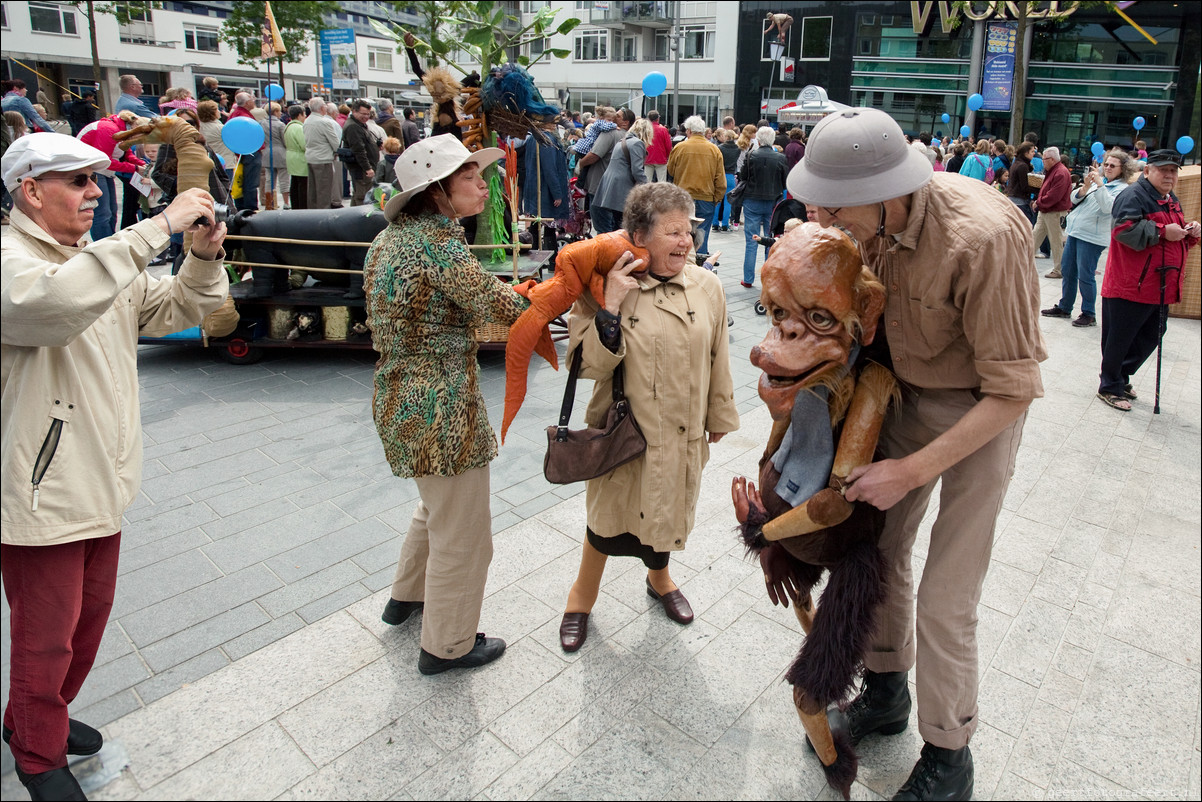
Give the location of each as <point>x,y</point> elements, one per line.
<point>273,43</point>
<point>1001,39</point>
<point>339,59</point>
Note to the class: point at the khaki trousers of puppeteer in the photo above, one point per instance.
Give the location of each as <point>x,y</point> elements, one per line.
<point>1047,224</point>
<point>444,560</point>
<point>943,643</point>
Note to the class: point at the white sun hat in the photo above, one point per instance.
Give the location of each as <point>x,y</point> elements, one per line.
<point>431,160</point>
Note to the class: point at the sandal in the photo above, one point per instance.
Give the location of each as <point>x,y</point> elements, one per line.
<point>1115,401</point>
<point>1129,394</point>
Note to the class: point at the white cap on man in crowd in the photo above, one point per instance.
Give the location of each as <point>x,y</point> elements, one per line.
<point>36,154</point>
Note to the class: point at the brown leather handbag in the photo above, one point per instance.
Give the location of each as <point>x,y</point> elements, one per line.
<point>577,455</point>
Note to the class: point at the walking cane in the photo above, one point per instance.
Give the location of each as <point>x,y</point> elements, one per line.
<point>1163,324</point>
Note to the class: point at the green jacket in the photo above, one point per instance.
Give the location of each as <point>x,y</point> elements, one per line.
<point>294,141</point>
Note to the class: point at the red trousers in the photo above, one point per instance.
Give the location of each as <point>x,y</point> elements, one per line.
<point>60,597</point>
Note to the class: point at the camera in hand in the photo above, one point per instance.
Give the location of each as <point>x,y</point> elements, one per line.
<point>221,212</point>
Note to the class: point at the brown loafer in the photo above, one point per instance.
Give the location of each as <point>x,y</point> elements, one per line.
<point>573,629</point>
<point>675,604</point>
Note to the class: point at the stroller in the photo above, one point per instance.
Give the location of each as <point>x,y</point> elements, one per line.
<point>578,225</point>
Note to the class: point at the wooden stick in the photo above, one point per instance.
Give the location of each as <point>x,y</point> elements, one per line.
<point>295,267</point>
<point>288,241</point>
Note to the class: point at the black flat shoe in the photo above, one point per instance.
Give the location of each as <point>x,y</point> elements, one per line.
<point>675,604</point>
<point>573,629</point>
<point>56,784</point>
<point>81,739</point>
<point>398,612</point>
<point>485,651</point>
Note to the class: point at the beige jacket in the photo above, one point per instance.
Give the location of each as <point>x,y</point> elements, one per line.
<point>678,380</point>
<point>71,321</point>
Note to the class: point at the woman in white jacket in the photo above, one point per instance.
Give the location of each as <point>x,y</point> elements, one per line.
<point>1087,233</point>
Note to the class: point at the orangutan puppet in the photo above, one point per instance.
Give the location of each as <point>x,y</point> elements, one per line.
<point>824,306</point>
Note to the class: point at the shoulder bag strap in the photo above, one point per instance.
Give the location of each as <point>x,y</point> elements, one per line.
<point>569,392</point>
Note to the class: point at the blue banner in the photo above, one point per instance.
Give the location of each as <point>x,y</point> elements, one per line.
<point>1001,39</point>
<point>339,59</point>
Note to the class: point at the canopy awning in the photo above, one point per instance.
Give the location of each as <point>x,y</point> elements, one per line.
<point>811,106</point>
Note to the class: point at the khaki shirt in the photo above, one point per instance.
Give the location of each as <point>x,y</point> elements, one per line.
<point>962,307</point>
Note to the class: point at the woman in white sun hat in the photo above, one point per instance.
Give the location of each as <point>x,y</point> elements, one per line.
<point>426,295</point>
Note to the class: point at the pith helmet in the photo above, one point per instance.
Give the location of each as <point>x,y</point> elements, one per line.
<point>856,157</point>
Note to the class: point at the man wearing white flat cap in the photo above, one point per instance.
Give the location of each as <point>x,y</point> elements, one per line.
<point>72,436</point>
<point>961,321</point>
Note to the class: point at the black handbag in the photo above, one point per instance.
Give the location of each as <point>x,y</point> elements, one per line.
<point>736,194</point>
<point>577,455</point>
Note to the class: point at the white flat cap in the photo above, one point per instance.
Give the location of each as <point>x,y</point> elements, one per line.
<point>35,154</point>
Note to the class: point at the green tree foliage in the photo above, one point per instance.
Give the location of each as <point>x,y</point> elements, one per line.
<point>298,20</point>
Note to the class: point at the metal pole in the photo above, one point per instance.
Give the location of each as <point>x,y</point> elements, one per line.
<point>676,36</point>
<point>1016,133</point>
<point>974,73</point>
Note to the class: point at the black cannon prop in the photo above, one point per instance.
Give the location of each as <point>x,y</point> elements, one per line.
<point>293,231</point>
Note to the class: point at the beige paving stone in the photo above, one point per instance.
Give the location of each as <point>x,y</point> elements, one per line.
<point>528,775</point>
<point>1159,700</point>
<point>991,751</point>
<point>584,730</point>
<point>260,765</point>
<point>992,627</point>
<point>1073,661</point>
<point>1060,690</point>
<point>1029,646</point>
<point>512,613</point>
<point>1024,543</point>
<point>464,772</point>
<point>1038,748</point>
<point>1078,543</point>
<point>1085,627</point>
<point>521,548</point>
<point>377,768</point>
<point>1073,782</point>
<point>1013,787</point>
<point>343,715</point>
<point>1059,583</point>
<point>1006,588</point>
<point>1005,702</point>
<point>189,724</point>
<point>1137,616</point>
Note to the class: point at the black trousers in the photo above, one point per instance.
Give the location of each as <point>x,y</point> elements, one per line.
<point>1130,333</point>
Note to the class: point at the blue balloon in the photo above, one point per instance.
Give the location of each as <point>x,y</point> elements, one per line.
<point>220,158</point>
<point>274,91</point>
<point>242,135</point>
<point>1097,149</point>
<point>1185,145</point>
<point>654,84</point>
<point>975,102</point>
<point>1138,123</point>
<point>965,130</point>
<point>947,118</point>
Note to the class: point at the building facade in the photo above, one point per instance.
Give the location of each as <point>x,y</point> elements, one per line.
<point>1091,72</point>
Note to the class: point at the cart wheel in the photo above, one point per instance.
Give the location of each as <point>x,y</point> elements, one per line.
<point>759,309</point>
<point>240,352</point>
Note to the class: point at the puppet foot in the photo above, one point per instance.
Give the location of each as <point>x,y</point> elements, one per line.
<point>939,774</point>
<point>882,707</point>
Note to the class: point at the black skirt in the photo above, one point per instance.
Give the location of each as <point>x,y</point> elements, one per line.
<point>627,545</point>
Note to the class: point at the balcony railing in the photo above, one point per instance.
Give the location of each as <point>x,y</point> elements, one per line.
<point>649,14</point>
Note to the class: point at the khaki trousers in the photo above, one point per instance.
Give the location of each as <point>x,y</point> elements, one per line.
<point>945,650</point>
<point>1047,224</point>
<point>444,560</point>
<point>321,185</point>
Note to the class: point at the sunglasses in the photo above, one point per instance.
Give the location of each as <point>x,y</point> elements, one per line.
<point>78,181</point>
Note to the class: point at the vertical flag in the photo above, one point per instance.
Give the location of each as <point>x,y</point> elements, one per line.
<point>273,43</point>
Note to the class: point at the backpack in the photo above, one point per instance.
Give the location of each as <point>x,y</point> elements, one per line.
<point>988,169</point>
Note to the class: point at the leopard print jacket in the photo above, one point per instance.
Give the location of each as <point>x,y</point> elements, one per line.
<point>426,294</point>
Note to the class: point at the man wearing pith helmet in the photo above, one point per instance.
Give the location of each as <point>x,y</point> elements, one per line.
<point>961,321</point>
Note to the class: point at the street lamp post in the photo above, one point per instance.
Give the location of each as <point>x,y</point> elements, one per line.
<point>675,43</point>
<point>775,51</point>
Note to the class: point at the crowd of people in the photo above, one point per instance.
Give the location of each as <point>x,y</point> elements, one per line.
<point>955,252</point>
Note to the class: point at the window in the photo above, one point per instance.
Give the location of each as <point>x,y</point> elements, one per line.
<point>627,47</point>
<point>694,10</point>
<point>816,38</point>
<point>663,51</point>
<point>591,45</point>
<point>140,28</point>
<point>199,37</point>
<point>698,42</point>
<point>535,6</point>
<point>4,16</point>
<point>52,18</point>
<point>379,58</point>
<point>535,48</point>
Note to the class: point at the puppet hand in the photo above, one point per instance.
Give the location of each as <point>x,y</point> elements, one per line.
<point>746,499</point>
<point>778,575</point>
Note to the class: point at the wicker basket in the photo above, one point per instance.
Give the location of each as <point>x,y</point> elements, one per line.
<point>1035,180</point>
<point>508,123</point>
<point>492,333</point>
<point>1189,192</point>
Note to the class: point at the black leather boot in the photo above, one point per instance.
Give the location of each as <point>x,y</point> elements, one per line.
<point>882,707</point>
<point>940,774</point>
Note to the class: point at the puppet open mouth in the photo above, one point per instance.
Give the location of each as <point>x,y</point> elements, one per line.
<point>782,382</point>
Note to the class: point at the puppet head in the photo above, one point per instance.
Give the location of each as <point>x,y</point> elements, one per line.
<point>821,301</point>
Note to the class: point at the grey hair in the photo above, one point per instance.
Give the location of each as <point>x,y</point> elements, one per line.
<point>646,202</point>
<point>241,99</point>
<point>317,105</point>
<point>765,136</point>
<point>1127,162</point>
<point>1052,153</point>
<point>694,125</point>
<point>331,109</point>
<point>384,104</point>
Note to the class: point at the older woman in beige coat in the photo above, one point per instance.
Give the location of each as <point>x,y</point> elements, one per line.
<point>665,323</point>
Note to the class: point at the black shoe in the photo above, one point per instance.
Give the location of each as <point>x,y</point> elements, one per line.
<point>54,784</point>
<point>939,774</point>
<point>1055,311</point>
<point>398,612</point>
<point>726,228</point>
<point>1083,320</point>
<point>883,706</point>
<point>485,651</point>
<point>81,739</point>
<point>716,228</point>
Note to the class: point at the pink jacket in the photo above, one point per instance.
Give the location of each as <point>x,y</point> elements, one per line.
<point>100,136</point>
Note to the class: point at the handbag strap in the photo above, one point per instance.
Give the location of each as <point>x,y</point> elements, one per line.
<point>569,392</point>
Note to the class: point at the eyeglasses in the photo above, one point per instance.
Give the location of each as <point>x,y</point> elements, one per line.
<point>78,181</point>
